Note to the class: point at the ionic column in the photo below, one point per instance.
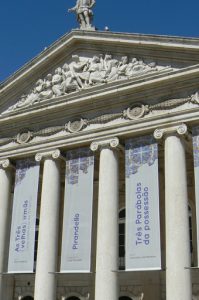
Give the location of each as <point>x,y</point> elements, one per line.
<point>47,253</point>
<point>106,279</point>
<point>5,219</point>
<point>178,278</point>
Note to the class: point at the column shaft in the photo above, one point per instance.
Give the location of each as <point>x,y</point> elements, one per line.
<point>106,282</point>
<point>45,282</point>
<point>178,279</point>
<point>5,195</point>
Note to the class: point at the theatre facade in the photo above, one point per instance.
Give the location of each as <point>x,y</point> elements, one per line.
<point>99,157</point>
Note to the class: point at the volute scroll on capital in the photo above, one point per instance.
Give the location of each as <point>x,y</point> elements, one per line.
<point>180,130</point>
<point>54,154</point>
<point>112,143</point>
<point>6,164</point>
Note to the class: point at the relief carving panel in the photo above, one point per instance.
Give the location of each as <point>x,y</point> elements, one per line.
<point>83,73</point>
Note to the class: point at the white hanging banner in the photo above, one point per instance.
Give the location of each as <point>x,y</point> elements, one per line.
<point>196,174</point>
<point>22,238</point>
<point>142,205</point>
<point>77,222</point>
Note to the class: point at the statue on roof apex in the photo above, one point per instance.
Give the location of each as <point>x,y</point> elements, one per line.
<point>83,10</point>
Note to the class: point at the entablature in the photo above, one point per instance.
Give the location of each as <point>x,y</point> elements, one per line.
<point>126,85</point>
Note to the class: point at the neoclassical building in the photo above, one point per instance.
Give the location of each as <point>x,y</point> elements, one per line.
<point>74,108</point>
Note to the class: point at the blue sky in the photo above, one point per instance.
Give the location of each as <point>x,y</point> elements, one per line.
<point>27,26</point>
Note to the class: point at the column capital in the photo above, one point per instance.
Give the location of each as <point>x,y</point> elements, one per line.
<point>6,164</point>
<point>181,130</point>
<point>53,154</point>
<point>112,143</point>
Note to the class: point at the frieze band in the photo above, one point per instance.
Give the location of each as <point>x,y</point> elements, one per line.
<point>134,112</point>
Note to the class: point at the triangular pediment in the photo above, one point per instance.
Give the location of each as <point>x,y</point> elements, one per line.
<point>86,63</point>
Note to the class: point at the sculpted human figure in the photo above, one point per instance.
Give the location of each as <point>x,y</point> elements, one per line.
<point>27,100</point>
<point>20,103</point>
<point>47,92</point>
<point>79,70</point>
<point>57,80</point>
<point>130,68</point>
<point>96,71</point>
<point>34,96</point>
<point>110,66</point>
<point>120,71</point>
<point>83,9</point>
<point>69,81</point>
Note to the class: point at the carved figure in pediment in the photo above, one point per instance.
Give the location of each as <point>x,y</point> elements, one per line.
<point>83,9</point>
<point>111,67</point>
<point>136,67</point>
<point>19,104</point>
<point>120,71</point>
<point>131,65</point>
<point>97,74</point>
<point>69,81</point>
<point>79,70</point>
<point>57,83</point>
<point>46,90</point>
<point>108,62</point>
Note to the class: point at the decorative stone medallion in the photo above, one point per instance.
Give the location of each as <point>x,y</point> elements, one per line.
<point>75,126</point>
<point>24,137</point>
<point>136,111</point>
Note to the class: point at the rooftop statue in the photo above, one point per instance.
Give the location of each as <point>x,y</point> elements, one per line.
<point>83,10</point>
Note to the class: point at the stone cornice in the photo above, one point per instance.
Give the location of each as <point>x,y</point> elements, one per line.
<point>110,37</point>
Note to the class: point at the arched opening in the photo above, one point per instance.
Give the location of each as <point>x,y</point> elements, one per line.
<point>124,298</point>
<point>28,298</point>
<point>72,298</point>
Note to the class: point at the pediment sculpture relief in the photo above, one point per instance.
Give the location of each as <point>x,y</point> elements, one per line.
<point>82,74</point>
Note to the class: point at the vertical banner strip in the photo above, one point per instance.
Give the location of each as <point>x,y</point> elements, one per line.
<point>195,140</point>
<point>142,205</point>
<point>22,238</point>
<point>78,202</point>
